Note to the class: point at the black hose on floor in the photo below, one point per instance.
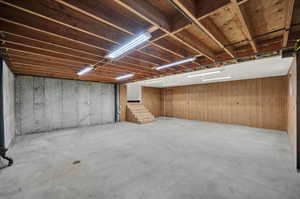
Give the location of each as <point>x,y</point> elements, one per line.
<point>3,155</point>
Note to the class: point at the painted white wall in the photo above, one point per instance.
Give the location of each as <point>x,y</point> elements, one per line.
<point>260,68</point>
<point>8,105</point>
<point>134,92</point>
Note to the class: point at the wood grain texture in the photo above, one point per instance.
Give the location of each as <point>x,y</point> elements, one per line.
<point>136,112</point>
<point>291,106</point>
<point>123,102</point>
<point>151,100</point>
<point>258,103</point>
<point>84,32</point>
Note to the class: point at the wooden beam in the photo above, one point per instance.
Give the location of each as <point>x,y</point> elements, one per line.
<point>139,7</point>
<point>36,53</point>
<point>101,18</point>
<point>32,70</point>
<point>53,12</point>
<point>210,28</point>
<point>189,38</point>
<point>241,13</point>
<point>146,12</point>
<point>45,51</point>
<point>63,76</point>
<point>81,10</point>
<point>11,37</point>
<point>54,21</point>
<point>24,53</point>
<point>287,22</point>
<point>22,61</point>
<point>22,66</point>
<point>54,38</point>
<point>203,9</point>
<point>23,30</point>
<point>190,5</point>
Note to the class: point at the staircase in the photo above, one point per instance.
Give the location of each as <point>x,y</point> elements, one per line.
<point>138,113</point>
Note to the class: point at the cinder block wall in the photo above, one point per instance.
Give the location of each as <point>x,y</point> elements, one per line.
<point>46,104</point>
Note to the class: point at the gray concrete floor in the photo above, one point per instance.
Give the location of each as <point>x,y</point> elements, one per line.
<point>167,159</point>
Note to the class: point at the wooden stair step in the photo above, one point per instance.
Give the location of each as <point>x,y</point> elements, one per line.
<point>138,113</point>
<point>145,121</point>
<point>143,116</point>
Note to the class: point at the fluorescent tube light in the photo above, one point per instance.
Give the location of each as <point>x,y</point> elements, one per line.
<point>129,46</point>
<point>85,70</point>
<point>204,74</point>
<point>218,78</point>
<point>176,63</point>
<point>124,76</point>
<point>152,81</point>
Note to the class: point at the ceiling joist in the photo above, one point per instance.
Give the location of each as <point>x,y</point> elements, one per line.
<point>210,28</point>
<point>241,13</point>
<point>288,21</point>
<point>67,35</point>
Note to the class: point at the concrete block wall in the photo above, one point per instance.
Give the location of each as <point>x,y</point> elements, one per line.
<point>46,104</point>
<point>8,105</point>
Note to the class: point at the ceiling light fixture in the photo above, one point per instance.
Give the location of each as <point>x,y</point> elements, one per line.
<point>176,63</point>
<point>129,46</point>
<point>85,70</point>
<point>152,81</point>
<point>204,74</point>
<point>218,78</point>
<point>124,76</point>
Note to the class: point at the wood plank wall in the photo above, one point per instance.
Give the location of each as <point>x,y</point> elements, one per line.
<point>123,102</point>
<point>291,105</point>
<point>258,103</point>
<point>151,98</point>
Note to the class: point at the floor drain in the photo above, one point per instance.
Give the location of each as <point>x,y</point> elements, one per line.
<point>76,162</point>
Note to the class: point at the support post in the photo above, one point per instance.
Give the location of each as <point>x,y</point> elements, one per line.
<point>117,102</point>
<point>3,150</point>
<point>2,144</point>
<point>298,106</point>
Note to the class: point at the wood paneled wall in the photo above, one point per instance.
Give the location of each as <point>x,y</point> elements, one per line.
<point>123,102</point>
<point>293,108</point>
<point>258,103</point>
<point>151,98</point>
<point>291,105</point>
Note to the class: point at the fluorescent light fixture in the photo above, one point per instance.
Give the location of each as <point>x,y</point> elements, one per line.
<point>152,81</point>
<point>85,70</point>
<point>129,46</point>
<point>204,74</point>
<point>124,76</point>
<point>218,78</point>
<point>176,63</point>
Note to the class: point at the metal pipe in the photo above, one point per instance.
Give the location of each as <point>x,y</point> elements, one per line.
<point>117,102</point>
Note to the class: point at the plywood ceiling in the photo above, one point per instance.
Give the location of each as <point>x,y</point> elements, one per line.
<point>57,38</point>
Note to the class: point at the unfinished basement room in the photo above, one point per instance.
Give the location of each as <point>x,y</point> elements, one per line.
<point>150,99</point>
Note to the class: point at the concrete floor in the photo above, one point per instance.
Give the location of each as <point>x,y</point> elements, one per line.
<point>167,159</point>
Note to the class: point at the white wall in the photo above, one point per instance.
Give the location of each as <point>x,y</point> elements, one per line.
<point>8,105</point>
<point>134,92</point>
<point>260,68</point>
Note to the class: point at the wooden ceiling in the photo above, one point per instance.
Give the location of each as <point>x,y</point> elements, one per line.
<point>57,38</point>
